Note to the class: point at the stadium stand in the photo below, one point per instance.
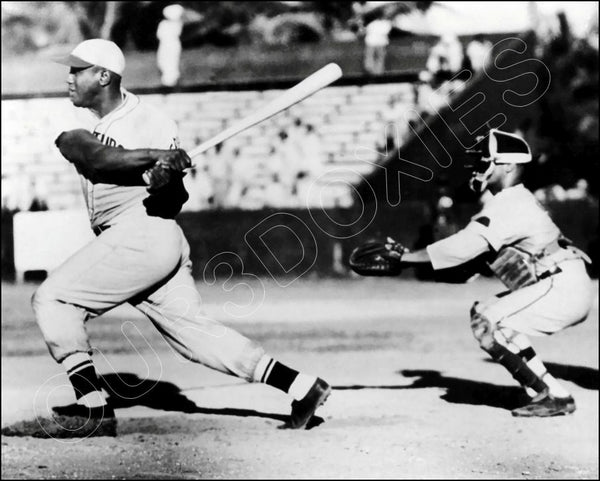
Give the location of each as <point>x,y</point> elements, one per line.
<point>338,120</point>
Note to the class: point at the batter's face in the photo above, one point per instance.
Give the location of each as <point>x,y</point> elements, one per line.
<point>84,86</point>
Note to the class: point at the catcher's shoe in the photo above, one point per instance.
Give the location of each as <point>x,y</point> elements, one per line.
<point>72,421</point>
<point>546,405</point>
<point>304,409</point>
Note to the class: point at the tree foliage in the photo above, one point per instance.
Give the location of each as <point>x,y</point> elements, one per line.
<point>567,131</point>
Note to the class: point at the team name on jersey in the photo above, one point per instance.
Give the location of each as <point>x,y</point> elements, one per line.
<point>106,140</point>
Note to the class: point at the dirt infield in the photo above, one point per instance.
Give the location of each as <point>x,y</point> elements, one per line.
<point>413,395</point>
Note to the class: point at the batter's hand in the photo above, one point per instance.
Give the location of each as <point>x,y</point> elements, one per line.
<point>167,161</point>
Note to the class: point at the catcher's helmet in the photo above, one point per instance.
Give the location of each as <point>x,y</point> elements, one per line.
<point>497,147</point>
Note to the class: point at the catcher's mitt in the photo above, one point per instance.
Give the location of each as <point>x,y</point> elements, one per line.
<point>375,258</point>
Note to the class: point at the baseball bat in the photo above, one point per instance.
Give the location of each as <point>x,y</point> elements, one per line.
<point>307,87</point>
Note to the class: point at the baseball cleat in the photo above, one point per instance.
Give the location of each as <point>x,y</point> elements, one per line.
<point>303,410</point>
<point>546,405</point>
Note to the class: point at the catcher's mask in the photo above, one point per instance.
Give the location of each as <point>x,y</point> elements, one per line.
<point>495,148</point>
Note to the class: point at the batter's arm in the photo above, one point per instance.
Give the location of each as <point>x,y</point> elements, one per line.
<point>115,165</point>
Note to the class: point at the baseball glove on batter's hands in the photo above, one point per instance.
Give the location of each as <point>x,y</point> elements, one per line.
<point>167,162</point>
<point>375,258</point>
<point>158,176</point>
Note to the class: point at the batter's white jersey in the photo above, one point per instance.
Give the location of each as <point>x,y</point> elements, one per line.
<point>132,125</point>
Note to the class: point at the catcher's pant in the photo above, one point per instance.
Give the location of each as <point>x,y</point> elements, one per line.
<point>144,262</point>
<point>548,306</point>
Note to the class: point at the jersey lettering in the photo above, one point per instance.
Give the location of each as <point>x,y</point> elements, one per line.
<point>106,140</point>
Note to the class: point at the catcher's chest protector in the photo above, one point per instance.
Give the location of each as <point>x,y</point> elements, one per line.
<point>514,267</point>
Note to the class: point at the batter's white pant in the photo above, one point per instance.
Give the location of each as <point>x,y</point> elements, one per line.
<point>546,307</point>
<point>146,263</point>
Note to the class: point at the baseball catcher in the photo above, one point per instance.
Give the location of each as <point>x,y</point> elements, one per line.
<point>548,287</point>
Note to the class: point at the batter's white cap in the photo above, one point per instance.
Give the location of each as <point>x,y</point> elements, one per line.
<point>96,51</point>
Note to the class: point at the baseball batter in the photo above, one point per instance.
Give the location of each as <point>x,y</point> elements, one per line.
<point>140,254</point>
<point>549,288</point>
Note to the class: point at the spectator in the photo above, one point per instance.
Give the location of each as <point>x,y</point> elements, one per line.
<point>312,149</point>
<point>357,21</point>
<point>580,191</point>
<point>17,192</point>
<point>312,166</point>
<point>38,199</point>
<point>221,173</point>
<point>295,133</point>
<point>376,42</point>
<point>395,117</point>
<point>445,59</point>
<point>168,55</point>
<point>387,146</point>
<point>290,159</point>
<point>477,51</point>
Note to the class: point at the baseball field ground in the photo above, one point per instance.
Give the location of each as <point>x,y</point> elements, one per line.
<point>413,395</point>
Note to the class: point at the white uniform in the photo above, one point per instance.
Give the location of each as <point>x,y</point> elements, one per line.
<point>168,54</point>
<point>140,256</point>
<point>514,217</point>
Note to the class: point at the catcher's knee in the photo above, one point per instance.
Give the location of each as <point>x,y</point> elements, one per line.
<point>483,329</point>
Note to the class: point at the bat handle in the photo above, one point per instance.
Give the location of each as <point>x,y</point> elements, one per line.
<point>146,175</point>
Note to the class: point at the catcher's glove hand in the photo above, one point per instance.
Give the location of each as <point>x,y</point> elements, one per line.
<point>376,258</point>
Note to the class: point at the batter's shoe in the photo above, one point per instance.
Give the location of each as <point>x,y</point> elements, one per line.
<point>303,410</point>
<point>546,405</point>
<point>72,421</point>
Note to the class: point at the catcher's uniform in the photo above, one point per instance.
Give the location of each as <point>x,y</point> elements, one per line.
<point>559,292</point>
<point>140,255</point>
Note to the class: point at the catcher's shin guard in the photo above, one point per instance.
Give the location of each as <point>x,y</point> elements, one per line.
<point>483,330</point>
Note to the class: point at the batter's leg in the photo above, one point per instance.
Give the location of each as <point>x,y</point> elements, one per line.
<point>176,311</point>
<point>103,274</point>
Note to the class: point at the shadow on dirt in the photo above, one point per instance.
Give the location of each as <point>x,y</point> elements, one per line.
<point>459,391</point>
<point>585,377</point>
<point>466,391</point>
<point>128,390</point>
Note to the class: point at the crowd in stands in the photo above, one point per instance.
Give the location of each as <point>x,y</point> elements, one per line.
<point>290,172</point>
<point>287,173</point>
<point>20,193</point>
<point>285,177</point>
<point>449,65</point>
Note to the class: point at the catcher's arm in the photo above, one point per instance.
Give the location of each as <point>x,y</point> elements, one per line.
<point>116,165</point>
<point>420,256</point>
<point>388,258</point>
